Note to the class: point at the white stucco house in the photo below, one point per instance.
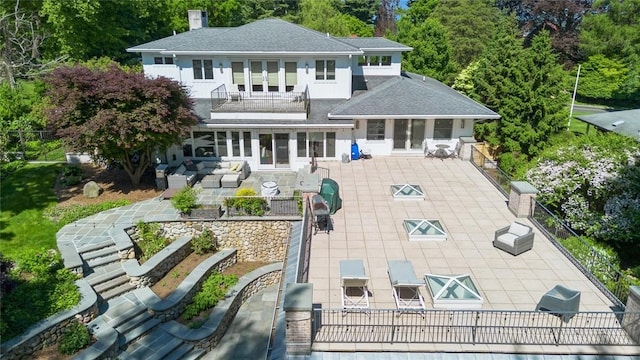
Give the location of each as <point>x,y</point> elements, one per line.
<point>276,94</point>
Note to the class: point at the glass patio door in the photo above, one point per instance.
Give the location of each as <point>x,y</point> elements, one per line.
<point>282,150</point>
<point>408,134</point>
<point>264,76</point>
<point>274,150</point>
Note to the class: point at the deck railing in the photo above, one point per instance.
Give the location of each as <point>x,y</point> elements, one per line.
<point>490,169</point>
<point>470,327</point>
<point>263,205</point>
<point>223,100</point>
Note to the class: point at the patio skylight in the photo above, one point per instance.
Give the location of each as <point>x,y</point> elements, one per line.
<point>453,291</point>
<point>422,229</point>
<point>407,192</point>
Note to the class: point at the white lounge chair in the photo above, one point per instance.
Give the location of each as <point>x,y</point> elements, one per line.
<point>405,285</point>
<point>353,280</point>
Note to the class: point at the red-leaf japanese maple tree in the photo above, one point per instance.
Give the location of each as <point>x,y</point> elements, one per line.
<point>118,115</point>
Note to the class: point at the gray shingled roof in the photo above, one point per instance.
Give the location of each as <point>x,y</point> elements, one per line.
<point>268,35</point>
<point>625,122</point>
<point>375,43</point>
<point>410,96</point>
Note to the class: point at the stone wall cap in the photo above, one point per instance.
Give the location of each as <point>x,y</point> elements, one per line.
<point>298,297</point>
<point>468,139</point>
<point>523,187</point>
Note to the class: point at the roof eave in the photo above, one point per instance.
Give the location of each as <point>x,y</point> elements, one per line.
<point>262,53</point>
<point>422,116</point>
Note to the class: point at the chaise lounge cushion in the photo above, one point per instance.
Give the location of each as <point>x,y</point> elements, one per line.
<point>240,168</point>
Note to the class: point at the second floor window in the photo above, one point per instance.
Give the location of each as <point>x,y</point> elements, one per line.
<point>374,60</point>
<point>162,60</point>
<point>202,69</point>
<point>325,69</point>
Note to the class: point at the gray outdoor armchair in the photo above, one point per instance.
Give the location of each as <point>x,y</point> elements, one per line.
<point>514,239</point>
<point>562,301</point>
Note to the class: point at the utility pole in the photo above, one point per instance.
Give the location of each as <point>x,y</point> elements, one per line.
<point>573,100</point>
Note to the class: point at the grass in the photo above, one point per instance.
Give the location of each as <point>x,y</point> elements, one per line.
<point>578,126</point>
<point>24,195</point>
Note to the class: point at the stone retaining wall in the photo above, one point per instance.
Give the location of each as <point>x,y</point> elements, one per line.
<point>254,240</point>
<point>49,331</point>
<point>209,335</point>
<point>172,306</point>
<point>159,265</point>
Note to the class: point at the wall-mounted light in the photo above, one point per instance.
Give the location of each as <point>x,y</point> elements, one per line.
<point>220,66</point>
<point>462,124</point>
<point>306,67</point>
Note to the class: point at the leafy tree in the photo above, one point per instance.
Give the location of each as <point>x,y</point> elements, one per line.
<point>469,25</point>
<point>82,29</point>
<point>594,183</point>
<point>260,9</point>
<point>19,107</point>
<point>562,18</point>
<point>419,10</point>
<point>118,115</point>
<point>431,53</point>
<point>363,10</point>
<point>323,16</point>
<point>601,78</point>
<point>525,86</point>
<point>613,31</point>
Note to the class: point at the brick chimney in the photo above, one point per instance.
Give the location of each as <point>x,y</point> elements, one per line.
<point>197,19</point>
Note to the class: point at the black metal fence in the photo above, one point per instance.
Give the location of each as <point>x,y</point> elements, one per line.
<point>471,327</point>
<point>263,205</point>
<point>604,275</point>
<point>244,101</point>
<point>305,245</point>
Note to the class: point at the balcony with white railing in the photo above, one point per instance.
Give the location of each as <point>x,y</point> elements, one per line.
<point>229,103</point>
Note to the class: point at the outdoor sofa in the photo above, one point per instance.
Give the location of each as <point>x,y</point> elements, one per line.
<point>240,168</point>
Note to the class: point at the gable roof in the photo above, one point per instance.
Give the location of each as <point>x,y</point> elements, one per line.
<point>267,35</point>
<point>411,96</point>
<point>625,122</point>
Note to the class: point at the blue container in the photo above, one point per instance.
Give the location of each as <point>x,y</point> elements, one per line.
<point>355,152</point>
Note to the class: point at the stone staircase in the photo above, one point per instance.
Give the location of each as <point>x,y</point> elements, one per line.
<point>106,275</point>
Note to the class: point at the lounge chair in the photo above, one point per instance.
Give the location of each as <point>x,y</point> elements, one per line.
<point>355,294</point>
<point>514,239</point>
<point>560,301</point>
<point>428,152</point>
<point>405,285</point>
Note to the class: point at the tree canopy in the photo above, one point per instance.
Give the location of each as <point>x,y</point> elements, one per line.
<point>118,115</point>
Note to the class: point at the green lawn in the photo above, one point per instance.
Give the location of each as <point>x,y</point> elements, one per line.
<point>24,195</point>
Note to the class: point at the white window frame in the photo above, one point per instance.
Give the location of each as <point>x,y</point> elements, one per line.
<point>205,71</point>
<point>442,125</point>
<point>374,132</point>
<point>323,71</point>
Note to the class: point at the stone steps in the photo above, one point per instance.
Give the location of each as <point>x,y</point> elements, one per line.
<point>117,291</point>
<point>137,332</point>
<point>95,247</point>
<point>111,283</point>
<point>133,322</point>
<point>105,273</point>
<point>103,260</point>
<point>155,345</point>
<point>98,253</point>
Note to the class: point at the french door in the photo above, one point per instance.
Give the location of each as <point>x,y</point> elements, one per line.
<point>264,76</point>
<point>408,134</point>
<point>274,150</point>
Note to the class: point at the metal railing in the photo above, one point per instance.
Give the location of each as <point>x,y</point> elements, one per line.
<point>246,101</point>
<point>262,205</point>
<point>604,275</point>
<point>470,327</point>
<point>597,268</point>
<point>489,168</point>
<point>302,272</point>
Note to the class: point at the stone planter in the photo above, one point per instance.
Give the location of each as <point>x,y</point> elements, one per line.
<point>208,212</point>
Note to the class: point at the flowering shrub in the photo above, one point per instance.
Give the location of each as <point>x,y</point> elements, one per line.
<point>594,185</point>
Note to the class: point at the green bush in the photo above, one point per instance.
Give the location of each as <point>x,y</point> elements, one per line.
<point>7,168</point>
<point>150,240</point>
<point>204,243</point>
<point>67,214</point>
<point>76,337</point>
<point>185,199</point>
<point>245,200</point>
<point>50,289</point>
<point>71,175</point>
<point>213,290</point>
